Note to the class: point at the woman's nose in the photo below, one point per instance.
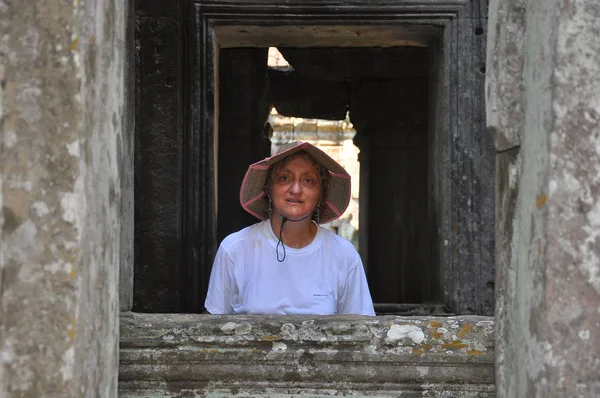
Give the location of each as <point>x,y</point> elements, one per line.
<point>296,186</point>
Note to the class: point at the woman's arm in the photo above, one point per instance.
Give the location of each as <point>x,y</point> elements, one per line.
<point>355,298</point>
<point>221,286</point>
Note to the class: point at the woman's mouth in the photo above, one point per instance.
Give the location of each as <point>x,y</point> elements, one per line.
<point>294,201</point>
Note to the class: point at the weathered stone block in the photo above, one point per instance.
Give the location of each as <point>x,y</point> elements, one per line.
<point>196,355</point>
<point>505,63</point>
<point>64,147</point>
<point>549,191</point>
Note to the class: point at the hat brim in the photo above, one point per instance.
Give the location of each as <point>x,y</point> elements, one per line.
<point>253,199</point>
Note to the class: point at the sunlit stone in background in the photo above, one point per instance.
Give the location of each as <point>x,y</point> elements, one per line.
<point>276,59</point>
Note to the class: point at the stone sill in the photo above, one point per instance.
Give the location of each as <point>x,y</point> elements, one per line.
<point>226,355</point>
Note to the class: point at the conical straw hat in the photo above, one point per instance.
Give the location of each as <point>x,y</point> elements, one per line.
<point>254,200</point>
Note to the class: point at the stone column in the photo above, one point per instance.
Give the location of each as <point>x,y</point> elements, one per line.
<point>160,263</point>
<point>64,143</point>
<point>543,105</point>
<point>363,143</point>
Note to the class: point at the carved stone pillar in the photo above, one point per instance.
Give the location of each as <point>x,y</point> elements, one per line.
<point>361,140</point>
<point>159,152</point>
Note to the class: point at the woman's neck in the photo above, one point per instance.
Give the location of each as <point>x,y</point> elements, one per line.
<point>296,234</point>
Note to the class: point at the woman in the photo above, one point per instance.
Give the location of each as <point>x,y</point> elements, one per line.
<point>287,264</point>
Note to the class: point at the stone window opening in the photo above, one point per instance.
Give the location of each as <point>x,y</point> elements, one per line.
<point>180,353</point>
<point>187,203</point>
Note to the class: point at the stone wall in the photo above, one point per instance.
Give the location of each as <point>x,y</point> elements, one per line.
<point>196,355</point>
<point>64,171</point>
<point>543,99</point>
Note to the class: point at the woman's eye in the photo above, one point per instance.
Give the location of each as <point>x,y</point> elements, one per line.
<point>308,180</point>
<point>283,178</point>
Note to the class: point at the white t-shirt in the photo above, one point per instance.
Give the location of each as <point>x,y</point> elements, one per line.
<point>326,277</point>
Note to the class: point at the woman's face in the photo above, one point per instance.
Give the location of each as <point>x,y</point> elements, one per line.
<point>296,188</point>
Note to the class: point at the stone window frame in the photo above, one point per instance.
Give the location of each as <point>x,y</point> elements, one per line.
<point>465,212</point>
<point>197,354</point>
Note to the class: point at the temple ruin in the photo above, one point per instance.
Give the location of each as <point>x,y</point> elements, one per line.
<point>126,128</point>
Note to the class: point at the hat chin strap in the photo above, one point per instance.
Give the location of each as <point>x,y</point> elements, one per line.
<point>280,241</point>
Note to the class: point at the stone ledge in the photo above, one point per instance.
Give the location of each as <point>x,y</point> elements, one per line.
<point>227,355</point>
<point>288,389</point>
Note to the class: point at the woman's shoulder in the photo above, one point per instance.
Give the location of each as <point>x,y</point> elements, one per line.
<point>236,238</point>
<point>339,243</point>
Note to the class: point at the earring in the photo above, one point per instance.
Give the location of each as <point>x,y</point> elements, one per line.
<point>270,208</point>
<point>316,216</point>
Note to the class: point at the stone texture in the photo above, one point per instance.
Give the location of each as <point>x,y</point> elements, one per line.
<point>125,156</point>
<point>62,136</point>
<point>507,165</point>
<point>327,35</point>
<point>549,189</point>
<point>468,242</point>
<point>504,86</point>
<point>195,355</point>
<point>159,154</point>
